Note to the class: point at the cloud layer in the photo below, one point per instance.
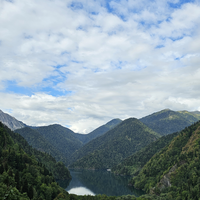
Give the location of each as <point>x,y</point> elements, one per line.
<point>80,63</point>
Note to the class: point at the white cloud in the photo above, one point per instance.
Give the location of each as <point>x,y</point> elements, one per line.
<point>108,60</point>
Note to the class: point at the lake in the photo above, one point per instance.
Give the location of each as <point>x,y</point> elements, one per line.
<point>87,182</point>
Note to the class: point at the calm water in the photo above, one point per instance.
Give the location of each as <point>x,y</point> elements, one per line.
<point>98,182</point>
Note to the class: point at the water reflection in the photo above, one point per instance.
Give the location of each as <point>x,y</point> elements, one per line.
<point>80,191</point>
<point>99,182</point>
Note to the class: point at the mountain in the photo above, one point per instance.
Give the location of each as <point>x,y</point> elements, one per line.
<point>132,165</point>
<point>55,139</point>
<point>58,170</point>
<point>109,149</point>
<point>85,138</point>
<point>61,138</point>
<point>10,121</point>
<point>37,141</point>
<point>21,175</point>
<point>167,121</point>
<point>174,172</point>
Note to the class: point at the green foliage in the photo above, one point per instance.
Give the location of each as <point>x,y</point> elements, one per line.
<point>174,171</point>
<point>168,121</point>
<point>61,138</point>
<point>133,164</point>
<point>37,141</point>
<point>109,149</point>
<point>46,159</point>
<point>22,176</point>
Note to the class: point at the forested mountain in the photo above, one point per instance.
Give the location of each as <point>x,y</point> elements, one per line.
<point>174,172</point>
<point>85,138</point>
<point>58,169</point>
<point>37,141</point>
<point>132,165</point>
<point>21,176</point>
<point>55,139</point>
<point>10,121</point>
<point>109,149</point>
<point>61,138</point>
<point>168,121</point>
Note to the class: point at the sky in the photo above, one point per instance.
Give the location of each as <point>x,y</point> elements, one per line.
<point>83,63</point>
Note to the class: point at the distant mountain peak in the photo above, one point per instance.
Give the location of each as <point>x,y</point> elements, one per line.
<point>10,121</point>
<point>113,123</point>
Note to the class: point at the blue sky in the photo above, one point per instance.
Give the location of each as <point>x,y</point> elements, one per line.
<point>83,63</point>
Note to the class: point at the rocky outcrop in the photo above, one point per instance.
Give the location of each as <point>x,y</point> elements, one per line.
<point>165,181</point>
<point>10,121</point>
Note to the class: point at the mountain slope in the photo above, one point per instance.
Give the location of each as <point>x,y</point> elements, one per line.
<point>85,138</point>
<point>133,164</point>
<point>168,121</point>
<point>58,170</point>
<point>61,138</point>
<point>10,121</point>
<point>21,176</point>
<point>109,149</point>
<point>175,170</point>
<point>37,141</point>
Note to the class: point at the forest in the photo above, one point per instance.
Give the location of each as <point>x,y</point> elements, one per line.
<point>166,167</point>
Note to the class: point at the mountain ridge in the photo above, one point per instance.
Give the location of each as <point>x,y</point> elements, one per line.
<point>85,138</point>
<point>10,121</point>
<point>173,172</point>
<point>116,144</point>
<point>168,121</point>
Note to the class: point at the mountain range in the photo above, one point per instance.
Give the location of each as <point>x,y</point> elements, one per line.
<point>168,121</point>
<point>118,143</point>
<point>161,150</point>
<point>69,147</point>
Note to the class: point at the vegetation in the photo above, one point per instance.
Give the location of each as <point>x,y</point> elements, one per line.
<point>168,121</point>
<point>58,169</point>
<point>61,138</point>
<point>111,148</point>
<point>37,141</point>
<point>85,138</point>
<point>56,140</point>
<point>21,175</point>
<point>133,164</point>
<point>174,172</point>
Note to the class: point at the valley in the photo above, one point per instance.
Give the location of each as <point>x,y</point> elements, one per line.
<point>153,149</point>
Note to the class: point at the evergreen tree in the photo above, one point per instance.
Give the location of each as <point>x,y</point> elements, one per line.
<point>25,187</point>
<point>1,169</point>
<point>30,192</point>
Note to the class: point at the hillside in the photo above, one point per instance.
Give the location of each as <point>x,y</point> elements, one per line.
<point>174,172</point>
<point>55,139</point>
<point>37,141</point>
<point>168,121</point>
<point>58,169</point>
<point>132,165</point>
<point>85,138</point>
<point>10,121</point>
<point>61,138</point>
<point>21,176</point>
<point>109,149</point>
